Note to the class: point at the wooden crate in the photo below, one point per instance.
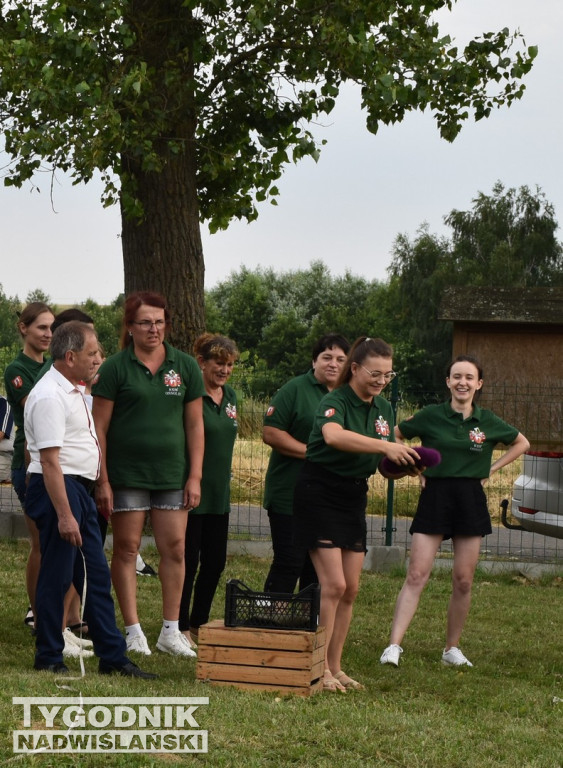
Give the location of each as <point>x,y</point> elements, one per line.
<point>286,661</point>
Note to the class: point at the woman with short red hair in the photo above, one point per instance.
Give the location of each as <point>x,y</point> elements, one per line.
<point>148,415</point>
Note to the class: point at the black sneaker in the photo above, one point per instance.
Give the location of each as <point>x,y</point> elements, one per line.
<point>144,569</point>
<point>126,670</point>
<point>58,668</point>
<point>29,620</point>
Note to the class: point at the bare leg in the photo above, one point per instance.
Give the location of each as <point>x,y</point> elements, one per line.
<point>169,528</point>
<point>352,567</point>
<point>127,531</point>
<point>423,552</point>
<point>330,572</point>
<point>33,561</point>
<point>71,607</point>
<point>466,556</point>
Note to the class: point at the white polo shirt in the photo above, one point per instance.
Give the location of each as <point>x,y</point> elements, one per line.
<point>56,416</point>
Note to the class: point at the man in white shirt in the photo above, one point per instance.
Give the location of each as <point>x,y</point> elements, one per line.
<point>65,459</point>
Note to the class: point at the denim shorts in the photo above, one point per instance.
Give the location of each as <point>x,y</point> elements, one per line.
<point>129,499</point>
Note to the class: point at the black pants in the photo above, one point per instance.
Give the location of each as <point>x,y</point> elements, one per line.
<point>206,547</point>
<point>290,564</point>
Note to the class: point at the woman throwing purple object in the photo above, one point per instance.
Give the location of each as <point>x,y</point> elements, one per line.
<point>352,432</point>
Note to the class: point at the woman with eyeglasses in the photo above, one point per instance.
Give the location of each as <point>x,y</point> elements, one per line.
<point>148,416</point>
<point>452,503</point>
<point>352,432</point>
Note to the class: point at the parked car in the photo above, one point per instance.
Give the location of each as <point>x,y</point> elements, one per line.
<point>537,495</point>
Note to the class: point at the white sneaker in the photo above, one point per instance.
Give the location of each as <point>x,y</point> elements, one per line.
<point>72,651</point>
<point>138,644</point>
<point>80,642</point>
<point>391,655</point>
<point>175,643</point>
<point>455,658</point>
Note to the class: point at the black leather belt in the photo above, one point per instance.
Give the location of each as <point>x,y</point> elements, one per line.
<point>85,481</point>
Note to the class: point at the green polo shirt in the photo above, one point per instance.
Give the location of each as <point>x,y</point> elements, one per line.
<point>344,407</point>
<point>220,423</point>
<point>19,378</point>
<point>466,445</point>
<point>292,409</point>
<point>146,441</point>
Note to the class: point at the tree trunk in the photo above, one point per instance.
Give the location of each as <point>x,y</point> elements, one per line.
<point>163,251</point>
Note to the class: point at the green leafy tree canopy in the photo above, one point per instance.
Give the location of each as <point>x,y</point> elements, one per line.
<point>191,109</point>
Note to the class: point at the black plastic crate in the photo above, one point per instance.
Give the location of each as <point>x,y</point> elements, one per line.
<point>272,610</point>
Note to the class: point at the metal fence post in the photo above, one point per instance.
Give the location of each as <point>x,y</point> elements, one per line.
<point>389,528</point>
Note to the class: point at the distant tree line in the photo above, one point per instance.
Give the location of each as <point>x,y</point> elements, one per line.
<point>107,321</point>
<point>508,238</point>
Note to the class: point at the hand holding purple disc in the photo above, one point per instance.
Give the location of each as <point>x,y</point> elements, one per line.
<point>429,457</point>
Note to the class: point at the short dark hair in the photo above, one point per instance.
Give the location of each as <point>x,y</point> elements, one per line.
<point>132,304</point>
<point>70,314</point>
<point>465,359</point>
<point>69,337</point>
<point>473,361</point>
<point>330,341</point>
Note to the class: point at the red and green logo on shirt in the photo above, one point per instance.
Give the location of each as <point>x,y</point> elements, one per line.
<point>382,427</point>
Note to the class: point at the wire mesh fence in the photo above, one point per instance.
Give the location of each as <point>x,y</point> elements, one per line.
<point>535,411</point>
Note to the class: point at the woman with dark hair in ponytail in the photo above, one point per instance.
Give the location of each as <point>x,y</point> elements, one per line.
<point>34,326</point>
<point>452,503</point>
<point>352,432</point>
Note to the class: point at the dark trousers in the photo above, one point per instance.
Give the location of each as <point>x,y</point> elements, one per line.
<point>206,547</point>
<point>63,564</point>
<point>18,483</point>
<point>291,563</point>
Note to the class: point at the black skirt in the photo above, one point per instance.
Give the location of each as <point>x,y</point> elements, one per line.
<point>329,510</point>
<point>452,506</point>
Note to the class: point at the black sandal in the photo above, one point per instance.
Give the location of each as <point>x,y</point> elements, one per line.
<point>80,629</point>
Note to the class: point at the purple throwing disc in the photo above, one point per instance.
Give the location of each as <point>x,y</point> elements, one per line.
<point>429,457</point>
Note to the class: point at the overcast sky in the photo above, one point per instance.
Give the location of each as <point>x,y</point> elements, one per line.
<point>347,209</point>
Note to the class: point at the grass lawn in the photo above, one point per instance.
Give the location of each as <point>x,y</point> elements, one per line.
<point>507,711</point>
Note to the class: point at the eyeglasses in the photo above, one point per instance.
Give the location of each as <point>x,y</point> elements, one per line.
<point>146,325</point>
<point>389,376</point>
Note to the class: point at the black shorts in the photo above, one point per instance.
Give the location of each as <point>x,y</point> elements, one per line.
<point>452,506</point>
<point>329,510</point>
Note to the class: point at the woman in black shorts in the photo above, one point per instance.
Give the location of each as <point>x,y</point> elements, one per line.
<point>352,432</point>
<point>452,501</point>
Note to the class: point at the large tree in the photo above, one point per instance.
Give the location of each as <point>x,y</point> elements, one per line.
<point>190,110</point>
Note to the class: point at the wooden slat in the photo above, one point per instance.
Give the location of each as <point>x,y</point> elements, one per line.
<point>244,674</point>
<point>256,657</point>
<point>215,633</point>
<point>281,690</point>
